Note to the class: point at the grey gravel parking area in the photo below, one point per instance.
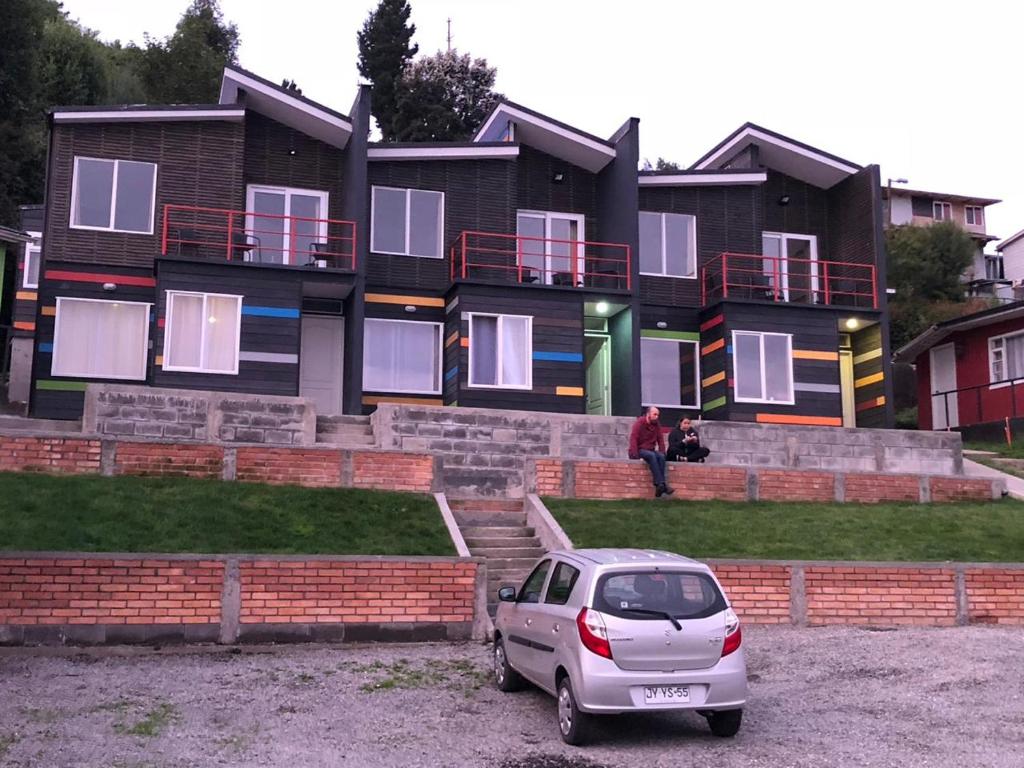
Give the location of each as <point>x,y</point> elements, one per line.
<point>819,697</point>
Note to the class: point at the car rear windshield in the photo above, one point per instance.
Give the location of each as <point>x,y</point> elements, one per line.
<point>684,595</point>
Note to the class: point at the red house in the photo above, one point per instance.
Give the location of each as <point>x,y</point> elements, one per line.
<point>970,371</point>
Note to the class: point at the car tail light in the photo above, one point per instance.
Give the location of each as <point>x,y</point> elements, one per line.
<point>733,634</point>
<point>593,632</point>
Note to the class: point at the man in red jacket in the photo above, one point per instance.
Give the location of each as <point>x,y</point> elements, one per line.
<point>646,442</point>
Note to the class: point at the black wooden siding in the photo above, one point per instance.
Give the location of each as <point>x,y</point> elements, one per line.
<point>681,320</point>
<point>537,190</point>
<point>23,313</point>
<point>869,413</point>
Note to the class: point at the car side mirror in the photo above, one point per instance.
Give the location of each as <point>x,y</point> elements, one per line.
<point>507,594</point>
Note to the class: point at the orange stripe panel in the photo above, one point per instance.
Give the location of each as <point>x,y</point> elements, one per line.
<point>711,323</point>
<point>374,400</point>
<point>26,295</point>
<point>23,326</point>
<point>48,311</point>
<point>812,354</point>
<point>813,421</point>
<point>465,342</point>
<point>869,404</point>
<point>713,346</point>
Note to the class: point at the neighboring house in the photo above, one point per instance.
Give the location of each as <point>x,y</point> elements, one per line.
<point>23,294</point>
<point>15,245</point>
<point>985,275</point>
<point>260,245</point>
<point>970,370</point>
<point>1011,255</point>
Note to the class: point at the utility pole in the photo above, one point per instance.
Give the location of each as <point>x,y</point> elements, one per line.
<point>449,34</point>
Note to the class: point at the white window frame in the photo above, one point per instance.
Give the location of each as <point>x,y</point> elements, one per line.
<point>251,215</point>
<point>696,372</point>
<point>113,197</point>
<point>169,324</point>
<point>791,400</point>
<point>78,375</point>
<point>945,209</point>
<point>548,277</point>
<point>664,246</point>
<point>978,213</point>
<point>993,352</point>
<point>408,230</point>
<point>34,247</point>
<point>439,328</point>
<point>813,268</point>
<point>529,351</point>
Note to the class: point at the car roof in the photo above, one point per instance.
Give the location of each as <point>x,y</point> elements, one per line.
<point>624,556</point>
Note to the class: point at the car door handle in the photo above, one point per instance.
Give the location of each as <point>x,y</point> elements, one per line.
<point>529,622</point>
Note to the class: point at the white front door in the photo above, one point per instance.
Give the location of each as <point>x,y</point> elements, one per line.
<point>943,379</point>
<point>550,248</point>
<point>599,370</point>
<point>320,363</point>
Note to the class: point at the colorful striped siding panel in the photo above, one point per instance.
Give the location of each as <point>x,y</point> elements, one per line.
<point>712,347</point>
<point>787,418</point>
<point>873,403</point>
<point>98,277</point>
<point>415,301</point>
<point>401,400</point>
<point>813,354</point>
<point>672,335</point>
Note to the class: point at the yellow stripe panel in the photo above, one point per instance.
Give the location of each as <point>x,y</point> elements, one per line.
<point>869,379</point>
<point>26,295</point>
<point>465,342</point>
<point>812,354</point>
<point>785,418</point>
<point>416,301</point>
<point>49,311</point>
<point>374,400</point>
<point>159,360</point>
<point>451,339</point>
<point>714,379</point>
<point>573,391</point>
<point>713,346</point>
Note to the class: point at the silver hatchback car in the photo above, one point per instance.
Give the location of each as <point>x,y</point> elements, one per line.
<point>608,631</point>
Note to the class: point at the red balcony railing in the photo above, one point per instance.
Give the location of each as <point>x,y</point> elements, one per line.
<point>797,281</point>
<point>218,233</point>
<point>501,258</point>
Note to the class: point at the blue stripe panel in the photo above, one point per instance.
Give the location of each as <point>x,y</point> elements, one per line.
<point>248,309</point>
<point>559,357</point>
<point>728,350</point>
<point>451,374</point>
<point>46,348</point>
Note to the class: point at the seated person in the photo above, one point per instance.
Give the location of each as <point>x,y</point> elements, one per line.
<point>684,444</point>
<point>646,442</point>
<point>651,591</point>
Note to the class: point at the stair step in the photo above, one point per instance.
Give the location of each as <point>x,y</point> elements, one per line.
<point>486,505</point>
<point>338,439</point>
<point>512,563</point>
<point>474,518</point>
<point>504,540</point>
<point>506,553</point>
<point>481,531</point>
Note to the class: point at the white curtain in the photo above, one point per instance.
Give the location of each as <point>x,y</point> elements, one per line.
<point>747,365</point>
<point>401,357</point>
<point>101,339</point>
<point>1014,357</point>
<point>220,352</point>
<point>778,364</point>
<point>202,332</point>
<point>183,348</point>
<point>660,382</point>
<point>483,341</point>
<point>515,351</point>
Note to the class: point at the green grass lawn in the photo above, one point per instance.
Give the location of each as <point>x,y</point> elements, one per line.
<point>1015,451</point>
<point>134,514</point>
<point>979,532</point>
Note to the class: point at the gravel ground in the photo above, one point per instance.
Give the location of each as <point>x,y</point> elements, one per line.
<point>819,697</point>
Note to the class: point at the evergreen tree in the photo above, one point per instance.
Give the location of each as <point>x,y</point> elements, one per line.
<point>384,53</point>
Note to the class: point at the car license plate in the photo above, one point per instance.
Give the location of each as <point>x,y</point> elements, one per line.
<point>666,694</point>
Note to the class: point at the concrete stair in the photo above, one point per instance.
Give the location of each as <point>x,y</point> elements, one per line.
<point>496,530</point>
<point>345,431</point>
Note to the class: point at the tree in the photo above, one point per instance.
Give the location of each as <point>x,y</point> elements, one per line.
<point>667,165</point>
<point>925,265</point>
<point>291,85</point>
<point>74,67</point>
<point>384,53</point>
<point>444,97</point>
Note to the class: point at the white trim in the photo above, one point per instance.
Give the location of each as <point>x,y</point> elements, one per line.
<point>992,342</point>
<point>113,196</point>
<point>529,352</point>
<point>168,325</point>
<point>702,180</point>
<point>150,115</point>
<point>943,206</point>
<point>441,153</point>
<point>764,367</point>
<point>251,214</point>
<point>664,246</point>
<point>696,371</point>
<point>753,133</point>
<point>56,341</point>
<point>439,350</point>
<point>981,215</point>
<point>812,268</point>
<point>581,229</point>
<point>255,85</point>
<point>35,244</point>
<point>946,411</point>
<point>547,125</point>
<point>408,233</point>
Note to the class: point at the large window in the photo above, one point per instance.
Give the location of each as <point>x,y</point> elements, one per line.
<point>96,339</point>
<point>407,222</point>
<point>669,373</point>
<point>402,356</point>
<point>1006,357</point>
<point>974,215</point>
<point>763,367</point>
<point>942,211</point>
<point>33,257</point>
<point>287,226</point>
<point>501,351</point>
<point>114,195</point>
<point>202,332</point>
<point>668,244</point>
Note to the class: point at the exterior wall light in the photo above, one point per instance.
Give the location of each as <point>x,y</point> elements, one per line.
<point>852,323</point>
<point>410,308</point>
<point>662,324</point>
<point>602,307</point>
<point>110,286</point>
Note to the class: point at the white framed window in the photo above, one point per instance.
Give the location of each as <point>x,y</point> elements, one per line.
<point>974,215</point>
<point>402,356</point>
<point>99,339</point>
<point>670,373</point>
<point>1006,357</point>
<point>550,247</point>
<point>33,259</point>
<point>287,225</point>
<point>668,244</point>
<point>202,332</point>
<point>113,195</point>
<point>942,211</point>
<point>763,367</point>
<point>501,351</point>
<point>407,222</point>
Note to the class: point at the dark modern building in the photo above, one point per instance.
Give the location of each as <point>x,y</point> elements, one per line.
<point>261,245</point>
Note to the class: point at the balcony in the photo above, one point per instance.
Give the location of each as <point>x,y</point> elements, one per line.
<point>298,241</point>
<point>790,280</point>
<point>500,258</point>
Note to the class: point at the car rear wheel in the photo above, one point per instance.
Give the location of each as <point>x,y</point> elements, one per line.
<point>572,724</point>
<point>725,723</point>
<point>507,679</point>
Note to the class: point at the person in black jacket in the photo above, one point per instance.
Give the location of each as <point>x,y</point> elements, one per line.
<point>684,443</point>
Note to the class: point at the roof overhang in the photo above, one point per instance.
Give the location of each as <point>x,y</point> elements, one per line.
<point>725,178</point>
<point>548,135</point>
<point>783,154</point>
<point>939,196</point>
<point>147,114</point>
<point>286,107</point>
<point>8,235</point>
<point>499,152</point>
<point>940,332</point>
<point>1010,240</point>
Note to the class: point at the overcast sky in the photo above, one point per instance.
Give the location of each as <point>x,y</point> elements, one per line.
<point>931,91</point>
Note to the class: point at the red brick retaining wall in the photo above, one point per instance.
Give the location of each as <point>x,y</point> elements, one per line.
<point>871,488</point>
<point>632,480</point>
<point>995,596</point>
<point>296,466</point>
<point>169,460</point>
<point>791,485</point>
<point>391,471</point>
<point>959,488</point>
<point>49,454</point>
<point>872,595</point>
<point>759,593</point>
<point>549,477</point>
